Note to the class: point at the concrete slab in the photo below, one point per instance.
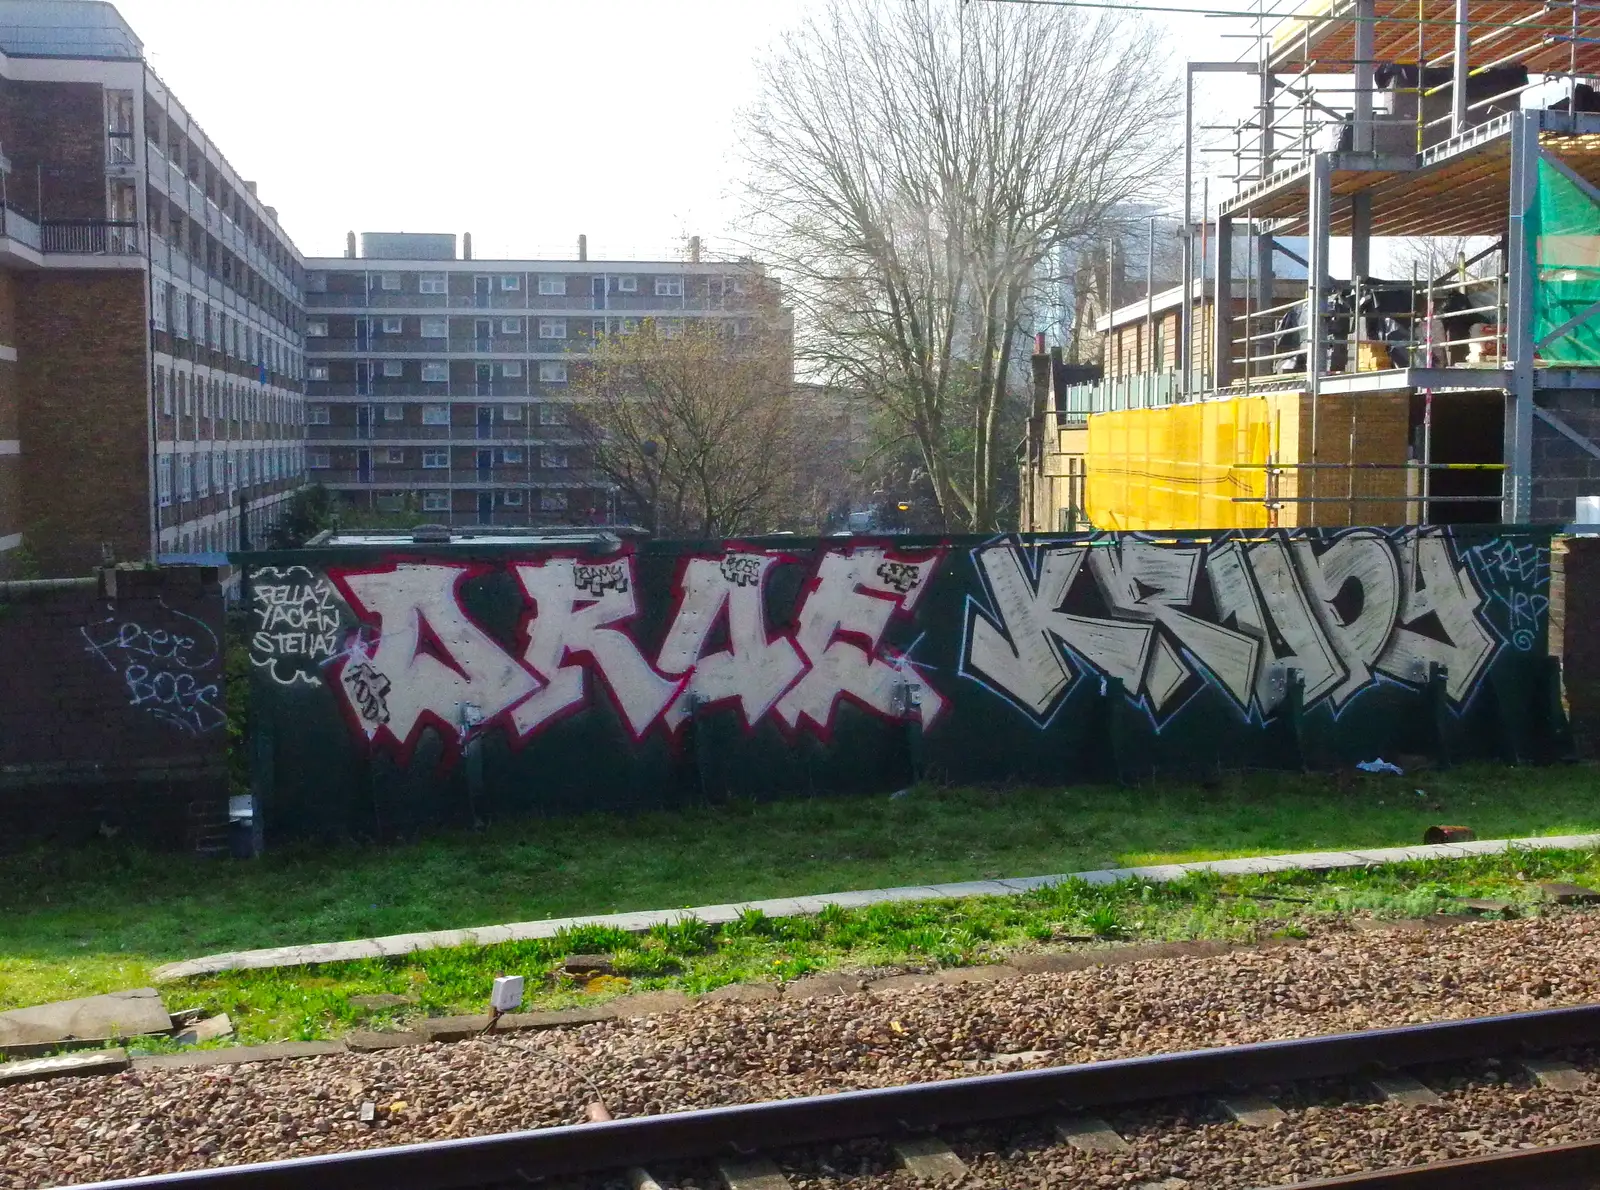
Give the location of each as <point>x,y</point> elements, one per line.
<point>1405,1090</point>
<point>743,993</point>
<point>759,1174</point>
<point>209,1029</point>
<point>1090,1134</point>
<point>649,1004</point>
<point>117,1015</point>
<point>929,1157</point>
<point>971,888</point>
<point>90,1062</point>
<point>240,1055</point>
<point>1556,1074</point>
<point>366,1041</point>
<point>1253,1111</point>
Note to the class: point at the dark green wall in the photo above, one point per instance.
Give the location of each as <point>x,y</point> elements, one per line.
<point>402,689</point>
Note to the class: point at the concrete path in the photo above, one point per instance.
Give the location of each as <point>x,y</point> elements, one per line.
<point>639,922</point>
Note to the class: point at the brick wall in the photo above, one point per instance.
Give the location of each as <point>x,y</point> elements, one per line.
<point>54,134</point>
<point>1574,609</point>
<point>10,464</point>
<point>83,353</point>
<point>111,718</point>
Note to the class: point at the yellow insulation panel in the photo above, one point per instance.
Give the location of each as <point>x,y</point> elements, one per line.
<point>1179,467</point>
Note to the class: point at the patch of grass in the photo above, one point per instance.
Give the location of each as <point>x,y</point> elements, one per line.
<point>313,1002</point>
<point>96,919</point>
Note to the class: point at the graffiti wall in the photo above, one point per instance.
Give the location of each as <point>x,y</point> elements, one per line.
<point>112,717</point>
<point>397,690</point>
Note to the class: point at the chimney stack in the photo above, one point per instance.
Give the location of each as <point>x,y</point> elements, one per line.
<point>583,247</point>
<point>466,245</point>
<point>694,249</point>
<point>349,245</point>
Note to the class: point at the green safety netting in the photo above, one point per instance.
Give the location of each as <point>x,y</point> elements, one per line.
<point>1566,233</point>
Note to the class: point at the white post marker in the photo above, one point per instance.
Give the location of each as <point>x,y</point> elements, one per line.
<point>505,996</point>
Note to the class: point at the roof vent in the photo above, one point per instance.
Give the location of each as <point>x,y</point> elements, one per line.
<point>431,534</point>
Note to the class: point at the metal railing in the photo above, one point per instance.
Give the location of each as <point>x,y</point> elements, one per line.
<point>20,228</point>
<point>1148,390</point>
<point>90,237</point>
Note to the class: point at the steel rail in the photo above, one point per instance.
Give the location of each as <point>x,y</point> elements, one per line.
<point>845,1115</point>
<point>1559,1167</point>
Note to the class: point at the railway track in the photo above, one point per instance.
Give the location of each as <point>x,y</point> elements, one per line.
<point>909,1118</point>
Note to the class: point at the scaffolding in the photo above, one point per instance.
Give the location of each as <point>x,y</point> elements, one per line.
<point>1409,118</point>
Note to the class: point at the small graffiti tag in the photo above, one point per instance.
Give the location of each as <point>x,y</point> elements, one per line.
<point>597,580</point>
<point>901,577</point>
<point>298,619</point>
<point>742,570</point>
<point>369,691</point>
<point>168,672</point>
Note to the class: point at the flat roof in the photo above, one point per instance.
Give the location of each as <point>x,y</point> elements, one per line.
<point>66,29</point>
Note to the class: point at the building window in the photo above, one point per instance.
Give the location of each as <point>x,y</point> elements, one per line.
<point>552,415</point>
<point>316,328</point>
<point>511,368</point>
<point>435,328</point>
<point>218,471</point>
<point>511,454</point>
<point>392,326</point>
<point>627,285</point>
<point>552,328</point>
<point>317,372</point>
<point>394,413</point>
<point>552,286</point>
<point>597,328</point>
<point>436,415</point>
<point>553,371</point>
<point>164,480</point>
<point>394,367</point>
<point>431,283</point>
<point>670,328</point>
<point>553,459</point>
<point>389,281</point>
<point>669,286</point>
<point>510,282</point>
<point>202,477</point>
<point>436,460</point>
<point>158,306</point>
<point>317,415</point>
<point>162,399</point>
<point>318,460</point>
<point>511,413</point>
<point>316,282</point>
<point>436,501</point>
<point>395,454</point>
<point>552,502</point>
<point>511,326</point>
<point>514,499</point>
<point>435,372</point>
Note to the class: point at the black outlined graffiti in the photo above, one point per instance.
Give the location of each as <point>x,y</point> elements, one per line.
<point>298,621</point>
<point>1166,618</point>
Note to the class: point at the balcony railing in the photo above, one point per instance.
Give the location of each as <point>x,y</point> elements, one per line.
<point>24,231</point>
<point>90,237</point>
<point>467,434</point>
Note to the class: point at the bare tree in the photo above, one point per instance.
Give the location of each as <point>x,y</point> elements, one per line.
<point>1441,257</point>
<point>695,424</point>
<point>913,164</point>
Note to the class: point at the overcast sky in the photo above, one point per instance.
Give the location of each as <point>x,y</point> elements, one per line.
<point>525,122</point>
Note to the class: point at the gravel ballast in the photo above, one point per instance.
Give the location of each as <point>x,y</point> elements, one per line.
<point>160,1119</point>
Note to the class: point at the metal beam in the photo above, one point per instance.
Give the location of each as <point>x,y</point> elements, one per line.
<point>1318,280</point>
<point>1361,119</point>
<point>1458,85</point>
<point>1222,306</point>
<point>1566,431</point>
<point>1517,505</point>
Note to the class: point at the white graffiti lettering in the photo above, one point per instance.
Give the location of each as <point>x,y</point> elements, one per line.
<point>434,661</point>
<point>165,670</point>
<point>1340,613</point>
<point>841,628</point>
<point>754,669</point>
<point>577,615</point>
<point>298,623</point>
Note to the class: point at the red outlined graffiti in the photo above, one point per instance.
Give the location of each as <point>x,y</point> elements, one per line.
<point>420,659</point>
<point>578,609</point>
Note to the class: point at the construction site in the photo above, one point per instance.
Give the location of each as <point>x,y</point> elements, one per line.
<point>1314,386</point>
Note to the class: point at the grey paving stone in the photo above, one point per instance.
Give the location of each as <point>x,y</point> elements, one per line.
<point>90,1062</point>
<point>368,1041</point>
<point>744,993</point>
<point>119,1014</point>
<point>241,1054</point>
<point>972,888</point>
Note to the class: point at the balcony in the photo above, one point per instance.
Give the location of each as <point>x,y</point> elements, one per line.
<point>90,237</point>
<point>464,435</point>
<point>15,227</point>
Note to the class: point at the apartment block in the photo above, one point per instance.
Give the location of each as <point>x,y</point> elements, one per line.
<point>441,384</point>
<point>151,375</point>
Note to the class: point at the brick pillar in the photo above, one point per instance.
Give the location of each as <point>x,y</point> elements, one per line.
<point>1574,611</point>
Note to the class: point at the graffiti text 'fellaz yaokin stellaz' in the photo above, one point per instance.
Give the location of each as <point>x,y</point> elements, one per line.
<point>1019,623</point>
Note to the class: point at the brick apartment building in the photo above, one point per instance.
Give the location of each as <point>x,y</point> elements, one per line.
<point>440,384</point>
<point>150,309</point>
